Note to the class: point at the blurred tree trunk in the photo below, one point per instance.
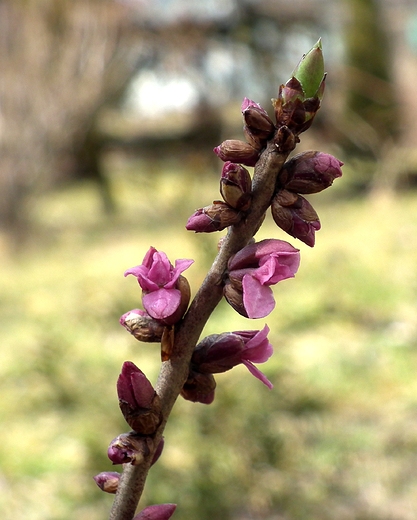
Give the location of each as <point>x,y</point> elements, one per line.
<point>371,105</point>
<point>60,61</point>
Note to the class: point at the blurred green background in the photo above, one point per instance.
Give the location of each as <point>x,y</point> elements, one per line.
<point>108,115</point>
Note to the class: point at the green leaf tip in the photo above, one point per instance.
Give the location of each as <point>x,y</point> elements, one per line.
<point>310,70</point>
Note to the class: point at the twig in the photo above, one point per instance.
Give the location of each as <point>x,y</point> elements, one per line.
<point>173,373</point>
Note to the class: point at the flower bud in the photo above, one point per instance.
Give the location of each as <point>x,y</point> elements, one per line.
<point>157,512</point>
<point>215,217</point>
<point>236,186</point>
<point>142,326</point>
<point>108,481</point>
<point>310,172</point>
<point>199,388</point>
<point>237,151</point>
<point>129,448</point>
<point>257,120</point>
<point>138,400</point>
<point>254,140</point>
<point>292,110</point>
<point>296,216</point>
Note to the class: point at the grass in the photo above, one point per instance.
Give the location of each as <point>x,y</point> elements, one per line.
<point>335,438</point>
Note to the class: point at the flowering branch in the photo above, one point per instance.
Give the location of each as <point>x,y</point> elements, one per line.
<point>242,272</point>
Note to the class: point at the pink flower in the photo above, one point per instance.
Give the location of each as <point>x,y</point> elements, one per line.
<point>164,294</point>
<point>253,270</point>
<point>157,512</point>
<point>221,352</point>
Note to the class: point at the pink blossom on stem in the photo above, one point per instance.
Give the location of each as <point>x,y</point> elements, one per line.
<point>254,269</point>
<point>221,352</point>
<point>160,282</point>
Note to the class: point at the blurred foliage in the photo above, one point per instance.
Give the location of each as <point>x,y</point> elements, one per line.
<point>335,438</point>
<point>371,104</point>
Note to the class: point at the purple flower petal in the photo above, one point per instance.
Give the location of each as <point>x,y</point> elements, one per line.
<point>160,270</point>
<point>258,299</point>
<point>258,349</point>
<point>257,373</point>
<point>162,303</point>
<point>180,266</point>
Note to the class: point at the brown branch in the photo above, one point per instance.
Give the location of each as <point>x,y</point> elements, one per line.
<point>174,372</point>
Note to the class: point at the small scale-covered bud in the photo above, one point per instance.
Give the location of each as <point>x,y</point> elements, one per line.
<point>138,401</point>
<point>215,217</point>
<point>257,120</point>
<point>108,481</point>
<point>157,512</point>
<point>292,110</point>
<point>237,151</point>
<point>236,186</point>
<point>310,172</point>
<point>296,216</point>
<point>142,326</point>
<point>129,448</point>
<point>199,388</point>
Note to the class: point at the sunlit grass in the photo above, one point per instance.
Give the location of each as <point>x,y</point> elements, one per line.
<point>335,438</point>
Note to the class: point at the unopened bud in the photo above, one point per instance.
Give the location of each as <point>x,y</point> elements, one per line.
<point>108,481</point>
<point>199,388</point>
<point>215,217</point>
<point>138,401</point>
<point>237,151</point>
<point>236,186</point>
<point>257,120</point>
<point>296,216</point>
<point>142,326</point>
<point>130,448</point>
<point>310,172</point>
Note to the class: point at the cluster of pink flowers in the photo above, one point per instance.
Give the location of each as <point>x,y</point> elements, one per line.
<point>249,275</point>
